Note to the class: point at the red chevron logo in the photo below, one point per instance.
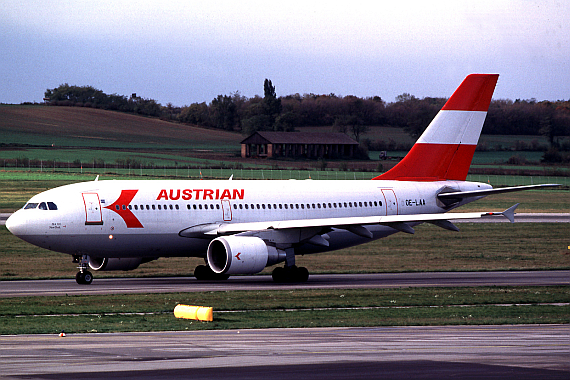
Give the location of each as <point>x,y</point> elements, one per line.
<point>121,207</point>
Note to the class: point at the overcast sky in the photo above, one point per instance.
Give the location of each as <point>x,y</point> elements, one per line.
<point>190,51</point>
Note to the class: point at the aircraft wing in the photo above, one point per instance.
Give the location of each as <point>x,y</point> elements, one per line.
<point>353,224</point>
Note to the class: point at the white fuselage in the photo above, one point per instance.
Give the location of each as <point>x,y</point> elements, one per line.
<point>137,218</point>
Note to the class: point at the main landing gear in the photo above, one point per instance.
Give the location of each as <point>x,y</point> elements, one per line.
<point>290,274</point>
<point>83,277</point>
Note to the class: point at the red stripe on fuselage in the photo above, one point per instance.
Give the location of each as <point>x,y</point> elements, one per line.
<point>433,162</point>
<point>124,200</point>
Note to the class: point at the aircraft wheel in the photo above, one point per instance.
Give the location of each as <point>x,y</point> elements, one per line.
<point>290,274</point>
<point>84,278</point>
<point>302,274</point>
<point>278,274</point>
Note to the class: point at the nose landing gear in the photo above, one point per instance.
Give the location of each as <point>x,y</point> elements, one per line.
<point>83,277</point>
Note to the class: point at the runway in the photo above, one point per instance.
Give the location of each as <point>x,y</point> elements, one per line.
<point>324,281</point>
<point>474,352</point>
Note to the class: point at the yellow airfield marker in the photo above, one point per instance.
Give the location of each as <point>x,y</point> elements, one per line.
<point>199,313</point>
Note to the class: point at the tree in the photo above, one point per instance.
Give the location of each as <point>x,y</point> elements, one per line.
<point>271,104</point>
<point>224,112</point>
<point>350,123</point>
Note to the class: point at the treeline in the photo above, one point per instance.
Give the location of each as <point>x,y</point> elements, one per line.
<point>87,96</point>
<point>349,114</point>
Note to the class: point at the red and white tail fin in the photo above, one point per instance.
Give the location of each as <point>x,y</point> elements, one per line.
<point>445,150</point>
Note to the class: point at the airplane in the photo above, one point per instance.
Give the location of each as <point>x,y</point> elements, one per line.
<point>241,227</point>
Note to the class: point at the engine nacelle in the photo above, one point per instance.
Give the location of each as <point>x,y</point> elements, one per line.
<point>106,264</point>
<point>242,255</point>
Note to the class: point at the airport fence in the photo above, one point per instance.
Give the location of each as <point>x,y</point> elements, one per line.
<point>188,172</point>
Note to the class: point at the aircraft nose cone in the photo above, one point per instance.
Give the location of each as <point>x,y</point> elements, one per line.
<point>15,224</point>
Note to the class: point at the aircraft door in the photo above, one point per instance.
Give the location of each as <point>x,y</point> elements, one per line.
<point>391,201</point>
<point>227,209</point>
<point>93,214</point>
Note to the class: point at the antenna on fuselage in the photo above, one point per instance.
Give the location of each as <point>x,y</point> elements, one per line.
<point>97,178</point>
<point>231,177</point>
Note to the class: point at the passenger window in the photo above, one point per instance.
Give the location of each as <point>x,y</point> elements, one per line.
<point>154,207</point>
<point>281,206</point>
<point>263,206</point>
<point>286,206</point>
<point>130,207</point>
<point>136,207</point>
<point>188,207</point>
<point>302,206</point>
<point>147,207</point>
<point>194,206</point>
<point>246,206</point>
<point>360,204</point>
<point>241,206</point>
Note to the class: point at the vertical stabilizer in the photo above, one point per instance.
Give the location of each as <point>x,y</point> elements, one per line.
<point>445,149</point>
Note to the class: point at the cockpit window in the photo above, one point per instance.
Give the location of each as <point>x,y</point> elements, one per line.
<point>41,206</point>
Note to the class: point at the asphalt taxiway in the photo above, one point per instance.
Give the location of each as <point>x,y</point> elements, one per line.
<point>323,281</point>
<point>466,352</point>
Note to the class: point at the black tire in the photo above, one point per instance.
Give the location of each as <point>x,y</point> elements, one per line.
<point>279,274</point>
<point>302,274</point>
<point>84,278</point>
<point>201,272</point>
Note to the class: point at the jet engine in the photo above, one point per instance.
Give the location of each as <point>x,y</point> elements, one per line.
<point>242,255</point>
<point>107,264</point>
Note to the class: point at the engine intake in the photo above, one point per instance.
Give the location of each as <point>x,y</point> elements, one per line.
<point>242,255</point>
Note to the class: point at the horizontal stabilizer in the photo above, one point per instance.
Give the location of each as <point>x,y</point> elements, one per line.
<point>482,193</point>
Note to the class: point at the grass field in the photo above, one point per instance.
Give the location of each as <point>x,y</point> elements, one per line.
<point>286,309</point>
<point>476,247</point>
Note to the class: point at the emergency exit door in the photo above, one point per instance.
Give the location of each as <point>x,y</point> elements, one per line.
<point>93,214</point>
<point>391,202</point>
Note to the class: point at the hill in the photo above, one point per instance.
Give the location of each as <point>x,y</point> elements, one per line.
<point>89,127</point>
